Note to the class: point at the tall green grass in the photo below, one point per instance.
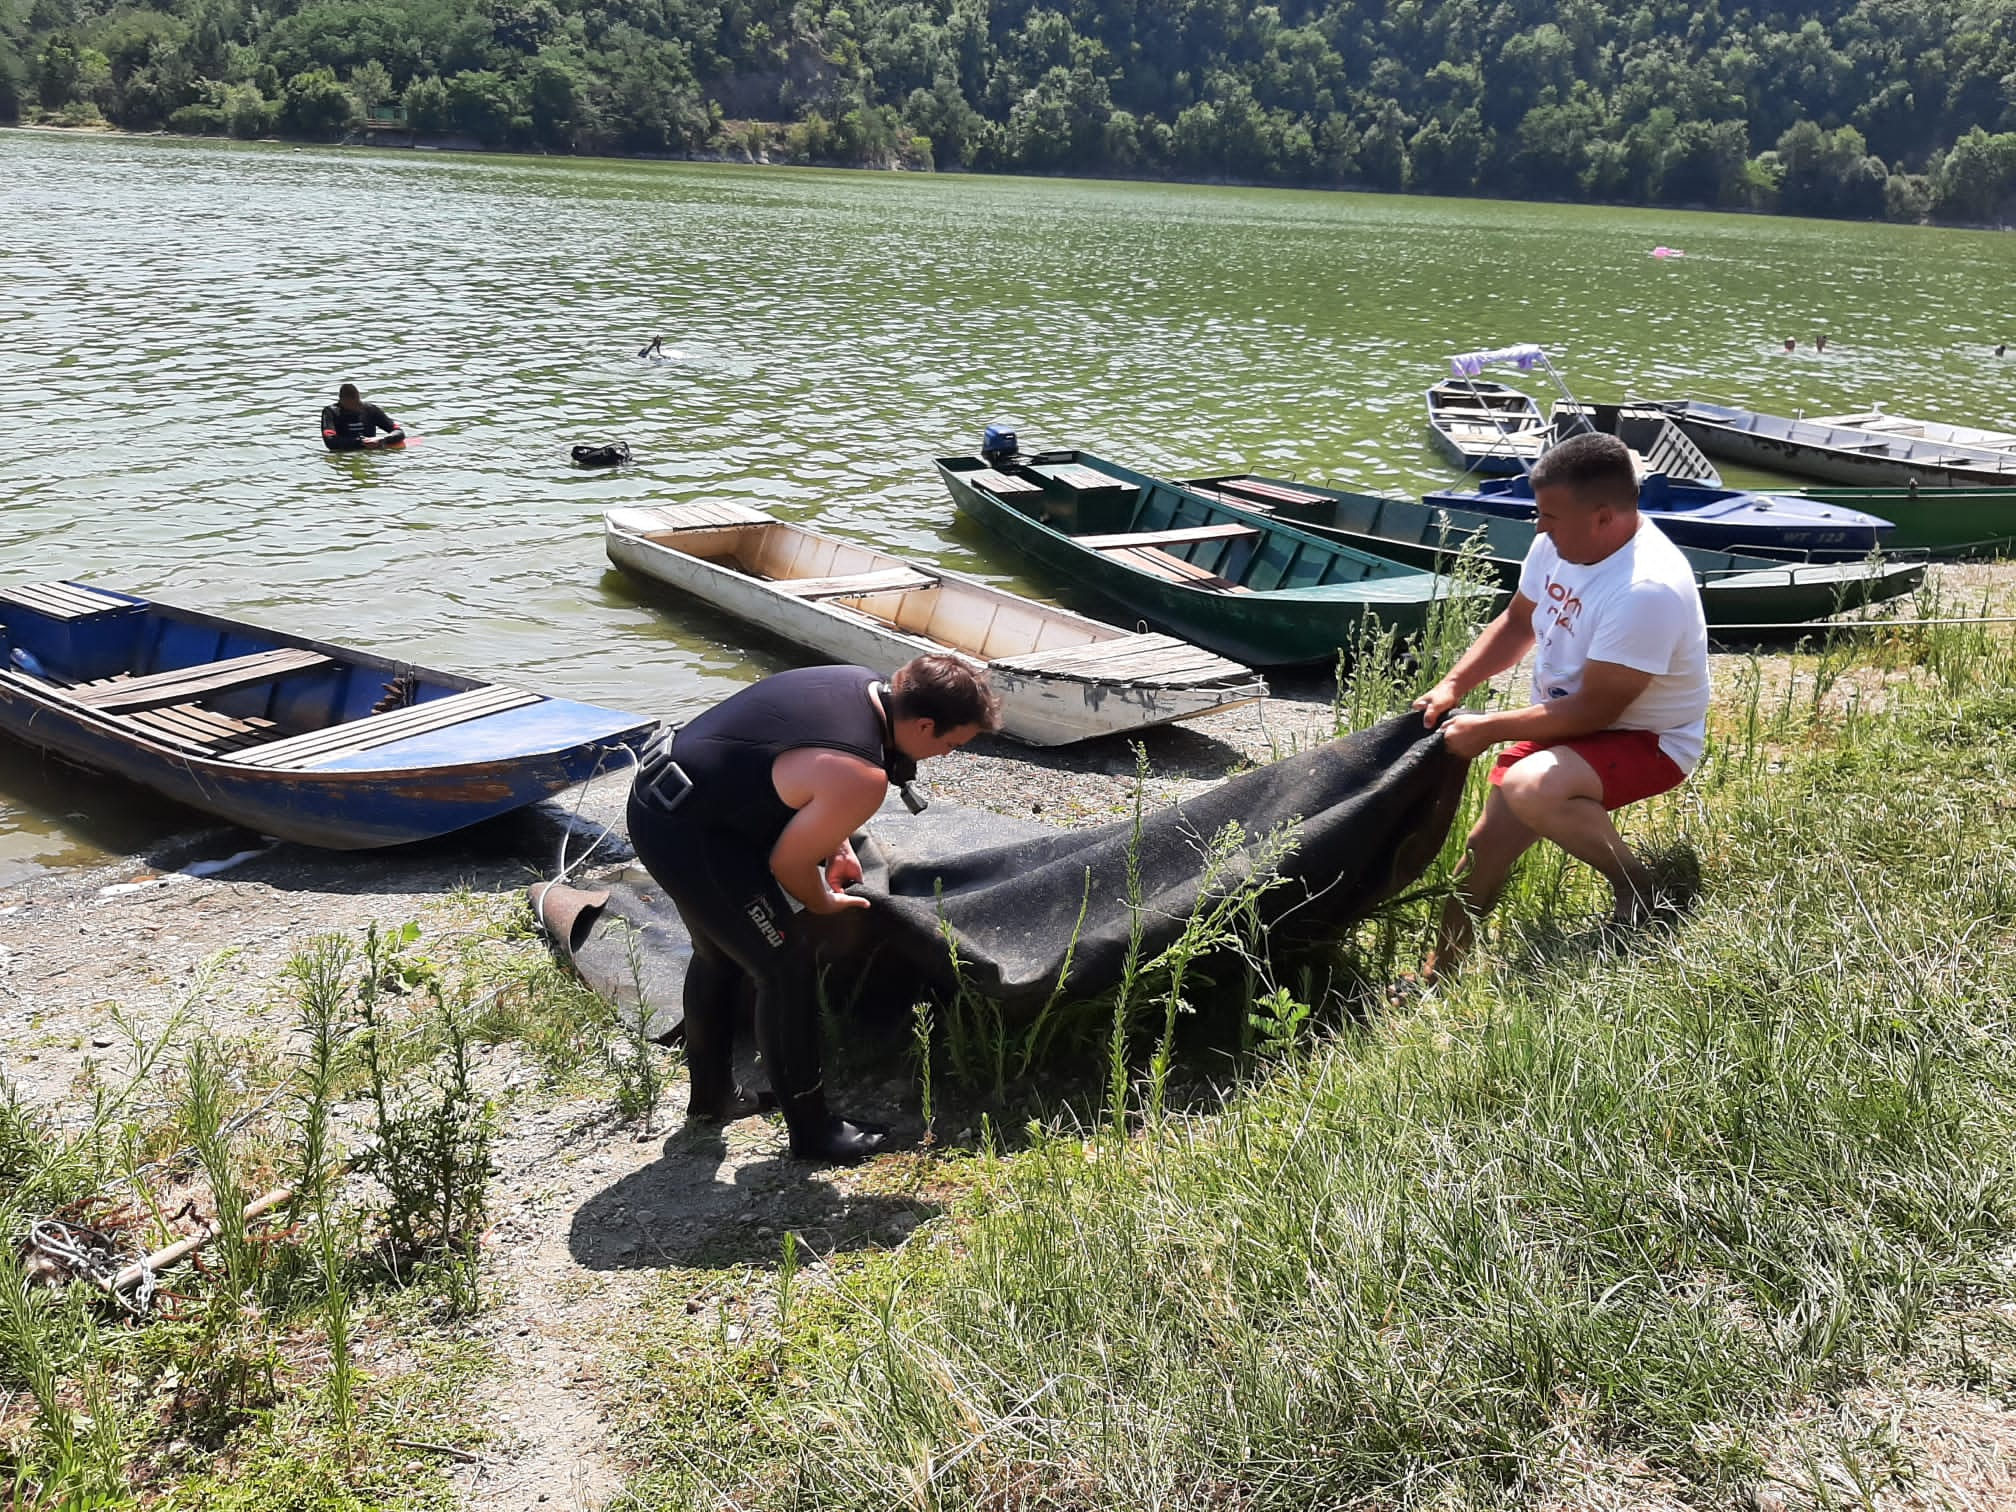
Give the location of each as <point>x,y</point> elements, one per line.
<point>1621,1207</point>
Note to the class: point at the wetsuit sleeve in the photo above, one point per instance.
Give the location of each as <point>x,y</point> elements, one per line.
<point>377,418</point>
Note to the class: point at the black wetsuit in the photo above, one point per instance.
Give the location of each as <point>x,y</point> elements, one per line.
<point>345,430</point>
<point>709,848</point>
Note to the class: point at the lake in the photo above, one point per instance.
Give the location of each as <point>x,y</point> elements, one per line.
<point>173,315</point>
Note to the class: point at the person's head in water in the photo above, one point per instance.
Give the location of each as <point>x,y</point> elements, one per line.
<point>1790,344</point>
<point>2001,347</point>
<point>1585,493</point>
<point>937,703</point>
<point>1819,343</point>
<point>348,397</point>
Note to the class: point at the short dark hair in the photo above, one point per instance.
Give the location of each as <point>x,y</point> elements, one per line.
<point>348,391</point>
<point>947,690</point>
<point>1593,466</point>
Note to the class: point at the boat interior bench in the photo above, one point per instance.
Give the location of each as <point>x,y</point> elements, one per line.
<point>184,684</point>
<point>856,585</point>
<point>1228,530</point>
<point>1154,560</point>
<point>315,748</point>
<point>64,600</point>
<point>1000,483</point>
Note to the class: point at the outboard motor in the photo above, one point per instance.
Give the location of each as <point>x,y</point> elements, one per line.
<point>998,444</point>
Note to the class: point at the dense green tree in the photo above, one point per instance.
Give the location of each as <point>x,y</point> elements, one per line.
<point>314,105</point>
<point>1860,108</point>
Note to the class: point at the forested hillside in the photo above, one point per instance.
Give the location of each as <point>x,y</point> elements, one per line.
<point>1885,108</point>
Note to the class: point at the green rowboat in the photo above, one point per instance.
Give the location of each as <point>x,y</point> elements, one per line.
<point>1948,522</point>
<point>1223,577</point>
<point>1736,588</point>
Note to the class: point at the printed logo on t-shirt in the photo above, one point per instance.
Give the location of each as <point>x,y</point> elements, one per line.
<point>1564,605</point>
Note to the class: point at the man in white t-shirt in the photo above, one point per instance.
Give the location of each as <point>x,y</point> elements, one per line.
<point>1610,609</point>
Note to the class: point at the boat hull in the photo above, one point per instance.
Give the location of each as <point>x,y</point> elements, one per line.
<point>1716,519</point>
<point>1036,710</point>
<point>1736,588</point>
<point>1297,627</point>
<point>1799,449</point>
<point>474,771</point>
<point>1948,522</point>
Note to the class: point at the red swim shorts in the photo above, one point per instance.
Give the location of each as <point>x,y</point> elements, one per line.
<point>1629,763</point>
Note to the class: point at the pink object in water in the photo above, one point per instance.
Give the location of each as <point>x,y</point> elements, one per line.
<point>1667,252</point>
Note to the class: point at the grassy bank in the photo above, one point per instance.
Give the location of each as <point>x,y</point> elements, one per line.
<point>1713,1215</point>
<point>1630,1220</point>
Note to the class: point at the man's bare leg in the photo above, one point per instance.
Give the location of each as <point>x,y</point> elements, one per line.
<point>1496,843</point>
<point>1558,796</point>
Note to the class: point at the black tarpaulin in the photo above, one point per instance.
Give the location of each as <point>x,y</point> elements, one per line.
<point>1370,812</point>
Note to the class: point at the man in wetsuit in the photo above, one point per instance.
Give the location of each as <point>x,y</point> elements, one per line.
<point>351,425</point>
<point>752,804</point>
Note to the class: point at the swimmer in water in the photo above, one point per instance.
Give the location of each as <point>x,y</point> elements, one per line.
<point>654,349</point>
<point>1790,344</point>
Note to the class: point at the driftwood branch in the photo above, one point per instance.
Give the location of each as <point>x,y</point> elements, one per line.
<point>161,1259</point>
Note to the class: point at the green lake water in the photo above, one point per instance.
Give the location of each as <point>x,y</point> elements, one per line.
<point>173,315</point>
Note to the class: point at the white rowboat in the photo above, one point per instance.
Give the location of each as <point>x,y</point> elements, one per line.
<point>1061,677</point>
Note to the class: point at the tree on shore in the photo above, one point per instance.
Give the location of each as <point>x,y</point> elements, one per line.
<point>1834,108</point>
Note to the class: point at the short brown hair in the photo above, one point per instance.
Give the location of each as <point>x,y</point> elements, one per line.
<point>1593,466</point>
<point>947,690</point>
<point>348,391</point>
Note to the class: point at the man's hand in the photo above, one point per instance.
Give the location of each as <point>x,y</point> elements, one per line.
<point>1438,701</point>
<point>843,868</point>
<point>830,902</point>
<point>1468,735</point>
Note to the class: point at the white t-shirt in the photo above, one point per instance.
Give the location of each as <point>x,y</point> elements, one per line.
<point>1639,607</point>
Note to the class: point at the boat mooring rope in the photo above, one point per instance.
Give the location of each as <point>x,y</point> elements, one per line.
<point>567,868</point>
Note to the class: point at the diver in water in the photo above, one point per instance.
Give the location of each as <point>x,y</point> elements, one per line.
<point>350,424</point>
<point>654,349</point>
<point>746,811</point>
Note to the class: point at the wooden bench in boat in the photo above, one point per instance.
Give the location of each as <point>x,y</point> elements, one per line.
<point>198,729</point>
<point>63,600</point>
<point>1224,495</point>
<point>1144,658</point>
<point>856,585</point>
<point>661,519</point>
<point>1152,559</point>
<point>186,684</point>
<point>315,748</point>
<point>1077,479</point>
<point>997,482</point>
<point>1274,492</point>
<point>1228,530</point>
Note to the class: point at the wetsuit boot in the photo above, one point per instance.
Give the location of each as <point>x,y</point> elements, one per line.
<point>787,1032</point>
<point>712,993</point>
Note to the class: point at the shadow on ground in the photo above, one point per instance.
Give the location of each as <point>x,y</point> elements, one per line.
<point>697,1207</point>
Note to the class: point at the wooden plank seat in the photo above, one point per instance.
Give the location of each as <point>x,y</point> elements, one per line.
<point>1223,496</point>
<point>300,753</point>
<point>199,729</point>
<point>1077,478</point>
<point>1278,493</point>
<point>185,684</point>
<point>997,482</point>
<point>857,585</point>
<point>1142,658</point>
<point>63,600</point>
<point>670,519</point>
<point>1152,559</point>
<point>1228,530</point>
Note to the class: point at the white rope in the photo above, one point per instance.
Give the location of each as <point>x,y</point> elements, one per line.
<point>567,868</point>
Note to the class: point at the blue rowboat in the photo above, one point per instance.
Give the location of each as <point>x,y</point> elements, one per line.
<point>290,737</point>
<point>1716,519</point>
